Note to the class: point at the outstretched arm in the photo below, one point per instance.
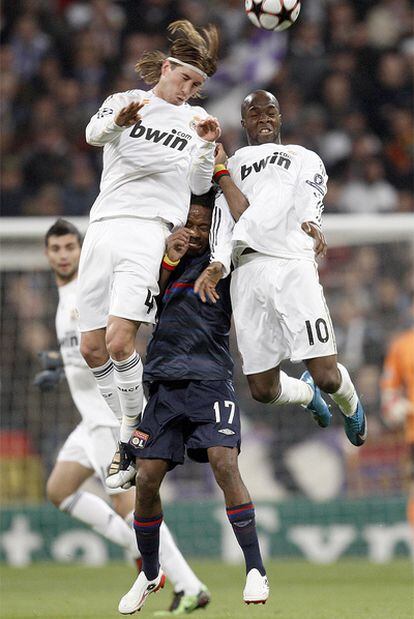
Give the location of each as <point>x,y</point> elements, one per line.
<point>221,248</point>
<point>311,189</point>
<point>206,283</point>
<point>116,114</point>
<point>202,159</point>
<point>236,200</point>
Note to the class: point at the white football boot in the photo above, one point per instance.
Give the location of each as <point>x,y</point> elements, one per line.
<point>122,470</point>
<point>135,599</point>
<point>256,590</point>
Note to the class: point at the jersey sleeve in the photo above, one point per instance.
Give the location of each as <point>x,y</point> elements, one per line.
<point>201,158</point>
<point>102,127</point>
<point>311,189</point>
<point>201,166</point>
<point>221,233</point>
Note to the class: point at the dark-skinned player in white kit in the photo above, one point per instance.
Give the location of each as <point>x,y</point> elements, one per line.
<point>273,201</point>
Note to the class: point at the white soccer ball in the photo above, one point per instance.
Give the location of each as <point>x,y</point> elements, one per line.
<point>272,14</point>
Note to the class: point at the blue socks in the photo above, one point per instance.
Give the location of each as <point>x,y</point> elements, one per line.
<point>147,531</point>
<point>242,519</point>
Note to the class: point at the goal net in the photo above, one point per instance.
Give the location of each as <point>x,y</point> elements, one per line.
<point>316,495</point>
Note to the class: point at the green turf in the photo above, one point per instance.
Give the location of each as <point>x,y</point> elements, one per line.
<point>299,590</point>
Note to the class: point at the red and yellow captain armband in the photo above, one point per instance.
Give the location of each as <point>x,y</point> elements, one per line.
<point>168,264</point>
<point>220,170</point>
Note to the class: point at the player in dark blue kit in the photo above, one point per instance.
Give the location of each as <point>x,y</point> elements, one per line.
<point>192,406</point>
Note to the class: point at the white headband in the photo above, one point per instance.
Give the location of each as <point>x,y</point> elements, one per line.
<point>189,66</point>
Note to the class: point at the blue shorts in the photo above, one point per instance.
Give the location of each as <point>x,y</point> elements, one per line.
<point>187,414</point>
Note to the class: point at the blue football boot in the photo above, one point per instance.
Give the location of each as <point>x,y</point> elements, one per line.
<point>317,406</point>
<point>356,427</point>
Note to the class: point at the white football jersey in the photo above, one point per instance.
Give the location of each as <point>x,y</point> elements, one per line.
<point>82,384</point>
<point>150,169</point>
<point>285,186</point>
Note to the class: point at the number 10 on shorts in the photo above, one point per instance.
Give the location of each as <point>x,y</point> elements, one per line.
<point>227,404</point>
<point>320,329</point>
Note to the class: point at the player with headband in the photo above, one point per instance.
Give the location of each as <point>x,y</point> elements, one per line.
<point>157,149</point>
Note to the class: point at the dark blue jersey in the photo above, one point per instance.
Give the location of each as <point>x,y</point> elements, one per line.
<point>191,338</point>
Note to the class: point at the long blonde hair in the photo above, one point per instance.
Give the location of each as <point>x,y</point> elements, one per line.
<point>195,46</point>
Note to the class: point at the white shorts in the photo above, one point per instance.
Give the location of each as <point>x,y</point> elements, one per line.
<point>119,270</point>
<point>92,448</point>
<point>279,312</point>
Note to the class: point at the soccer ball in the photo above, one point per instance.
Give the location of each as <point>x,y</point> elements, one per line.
<point>272,14</point>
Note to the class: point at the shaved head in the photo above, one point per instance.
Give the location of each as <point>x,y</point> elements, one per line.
<point>260,118</point>
<point>261,94</point>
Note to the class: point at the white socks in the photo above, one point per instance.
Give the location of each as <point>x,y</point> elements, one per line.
<point>175,566</point>
<point>105,379</point>
<point>128,379</point>
<point>95,512</point>
<point>346,397</point>
<point>293,391</point>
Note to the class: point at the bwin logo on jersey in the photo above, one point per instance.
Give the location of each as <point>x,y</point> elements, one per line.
<point>281,159</point>
<point>175,139</point>
<point>70,340</point>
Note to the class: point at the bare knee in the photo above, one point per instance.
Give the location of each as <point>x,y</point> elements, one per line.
<point>264,386</point>
<point>147,486</point>
<point>119,347</point>
<point>93,350</point>
<point>226,475</point>
<point>120,338</point>
<point>262,392</point>
<point>223,461</point>
<point>328,379</point>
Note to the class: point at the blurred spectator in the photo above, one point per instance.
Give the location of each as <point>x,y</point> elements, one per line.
<point>81,189</point>
<point>48,159</point>
<point>11,187</point>
<point>371,193</point>
<point>387,21</point>
<point>29,45</point>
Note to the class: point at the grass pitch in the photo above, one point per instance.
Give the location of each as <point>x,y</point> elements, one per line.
<point>299,590</point>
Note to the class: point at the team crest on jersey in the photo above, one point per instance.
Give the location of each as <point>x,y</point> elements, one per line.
<point>139,439</point>
<point>194,121</point>
<point>318,183</point>
<point>74,314</point>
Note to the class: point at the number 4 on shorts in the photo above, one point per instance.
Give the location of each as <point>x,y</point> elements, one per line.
<point>149,301</point>
<point>227,404</point>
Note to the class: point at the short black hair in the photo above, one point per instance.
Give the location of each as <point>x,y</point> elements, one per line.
<point>60,228</point>
<point>206,199</point>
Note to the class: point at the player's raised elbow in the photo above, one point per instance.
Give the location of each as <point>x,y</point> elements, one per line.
<point>92,137</point>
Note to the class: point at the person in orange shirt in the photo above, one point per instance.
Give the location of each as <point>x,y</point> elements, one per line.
<point>397,396</point>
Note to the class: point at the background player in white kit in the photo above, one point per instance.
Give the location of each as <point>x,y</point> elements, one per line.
<point>156,151</point>
<point>274,193</point>
<point>89,448</point>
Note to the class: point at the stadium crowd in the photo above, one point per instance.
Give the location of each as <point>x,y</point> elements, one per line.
<point>342,75</point>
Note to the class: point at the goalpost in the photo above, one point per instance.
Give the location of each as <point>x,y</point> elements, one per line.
<point>306,482</point>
